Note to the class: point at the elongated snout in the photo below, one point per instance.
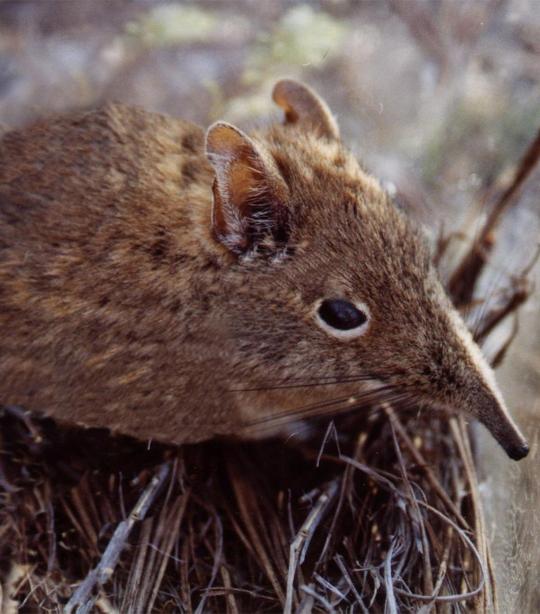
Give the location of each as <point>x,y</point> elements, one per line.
<point>480,396</point>
<point>491,410</point>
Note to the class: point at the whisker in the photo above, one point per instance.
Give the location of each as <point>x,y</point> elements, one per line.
<point>309,384</point>
<point>494,289</point>
<point>312,410</point>
<point>400,401</point>
<point>331,407</point>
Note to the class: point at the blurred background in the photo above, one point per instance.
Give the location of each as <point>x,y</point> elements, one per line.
<point>439,98</point>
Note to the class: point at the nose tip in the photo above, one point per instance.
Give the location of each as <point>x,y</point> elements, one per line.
<point>492,412</point>
<point>518,452</point>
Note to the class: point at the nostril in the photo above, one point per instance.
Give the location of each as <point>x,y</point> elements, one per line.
<point>518,452</point>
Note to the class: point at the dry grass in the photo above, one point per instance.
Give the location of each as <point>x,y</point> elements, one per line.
<point>385,516</point>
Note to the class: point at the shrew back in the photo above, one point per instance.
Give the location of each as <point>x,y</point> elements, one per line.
<point>100,239</point>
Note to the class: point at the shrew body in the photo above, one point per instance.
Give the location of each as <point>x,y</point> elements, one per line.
<point>176,289</point>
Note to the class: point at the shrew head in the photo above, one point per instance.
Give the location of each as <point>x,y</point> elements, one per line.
<point>330,280</point>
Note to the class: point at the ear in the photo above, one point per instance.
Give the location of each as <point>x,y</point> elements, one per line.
<point>302,105</point>
<point>249,192</point>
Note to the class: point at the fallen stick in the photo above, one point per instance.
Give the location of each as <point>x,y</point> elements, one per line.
<point>82,599</point>
<point>302,540</point>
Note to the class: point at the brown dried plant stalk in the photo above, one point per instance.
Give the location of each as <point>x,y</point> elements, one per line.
<point>374,513</point>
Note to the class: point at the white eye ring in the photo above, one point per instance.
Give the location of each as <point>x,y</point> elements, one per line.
<point>341,318</point>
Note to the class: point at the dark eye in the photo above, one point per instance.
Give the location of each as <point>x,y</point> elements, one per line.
<point>341,315</point>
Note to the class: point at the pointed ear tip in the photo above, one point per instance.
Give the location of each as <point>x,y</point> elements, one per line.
<point>216,127</point>
<point>210,136</point>
<point>302,102</point>
<point>285,86</point>
<point>280,84</point>
<point>219,135</point>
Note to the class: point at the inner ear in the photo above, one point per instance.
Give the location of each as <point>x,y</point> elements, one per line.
<point>302,105</point>
<point>249,193</point>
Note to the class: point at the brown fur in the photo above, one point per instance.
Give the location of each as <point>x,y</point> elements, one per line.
<point>121,307</point>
